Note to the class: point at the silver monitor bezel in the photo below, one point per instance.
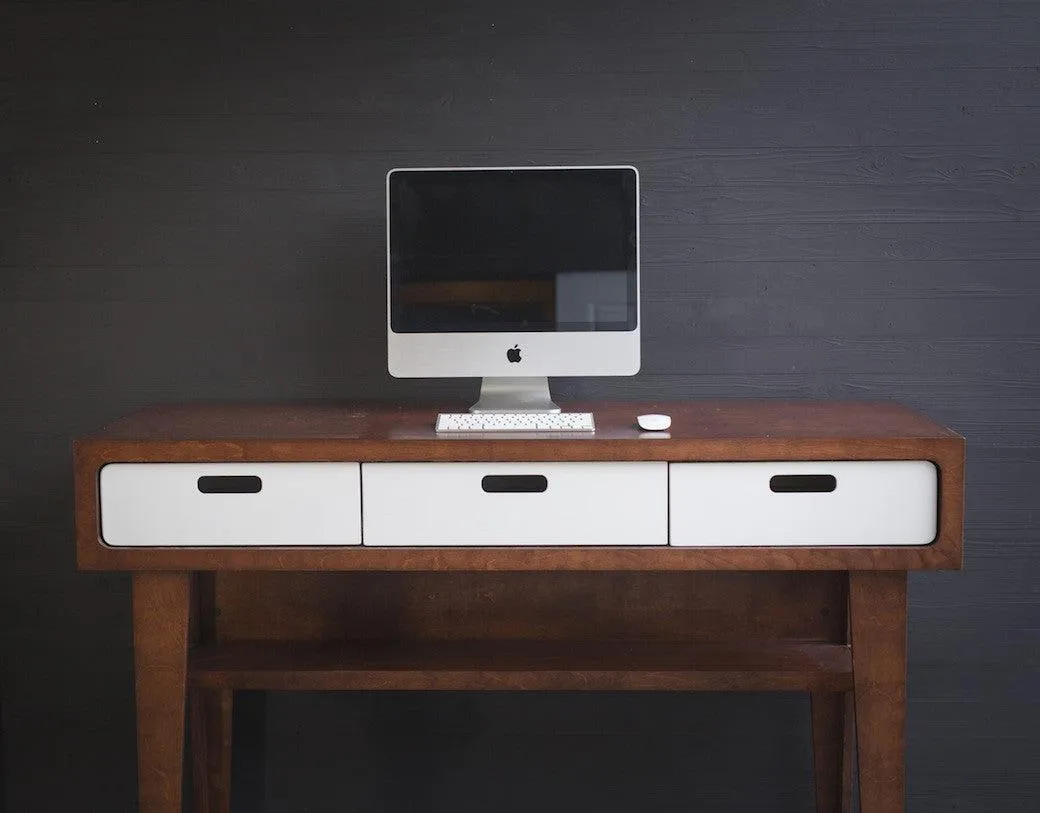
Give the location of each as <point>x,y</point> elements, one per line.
<point>563,353</point>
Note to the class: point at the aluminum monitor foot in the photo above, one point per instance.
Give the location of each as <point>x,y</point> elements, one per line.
<point>515,395</point>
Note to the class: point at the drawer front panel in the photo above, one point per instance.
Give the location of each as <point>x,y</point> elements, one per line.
<point>215,504</point>
<point>500,504</point>
<point>819,503</point>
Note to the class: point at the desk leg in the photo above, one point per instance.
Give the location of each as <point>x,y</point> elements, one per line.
<point>160,610</point>
<point>210,733</point>
<point>877,609</point>
<point>832,751</point>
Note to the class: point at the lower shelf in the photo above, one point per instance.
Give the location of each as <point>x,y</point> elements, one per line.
<point>525,665</point>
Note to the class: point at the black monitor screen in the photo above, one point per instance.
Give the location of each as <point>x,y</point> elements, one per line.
<point>488,250</point>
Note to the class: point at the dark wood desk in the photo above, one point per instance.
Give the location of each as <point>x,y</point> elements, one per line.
<point>830,620</point>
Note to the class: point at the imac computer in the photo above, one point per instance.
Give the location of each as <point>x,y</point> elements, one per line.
<point>513,274</point>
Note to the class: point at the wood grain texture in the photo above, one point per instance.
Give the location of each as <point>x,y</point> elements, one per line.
<point>526,666</point>
<point>670,124</point>
<point>383,60</point>
<point>614,18</point>
<point>211,714</point>
<point>833,733</point>
<point>667,243</point>
<point>877,613</point>
<point>999,200</point>
<point>693,421</point>
<point>217,179</point>
<point>701,431</point>
<point>548,606</point>
<point>833,739</point>
<point>161,606</point>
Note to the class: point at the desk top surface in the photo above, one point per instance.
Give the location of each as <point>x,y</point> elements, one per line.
<point>373,421</point>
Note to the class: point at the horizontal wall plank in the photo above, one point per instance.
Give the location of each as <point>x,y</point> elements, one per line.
<point>190,328</point>
<point>776,204</point>
<point>568,123</point>
<point>326,73</point>
<point>974,635</point>
<point>480,92</point>
<point>713,289</point>
<point>663,172</point>
<point>876,280</point>
<point>334,61</point>
<point>285,237</point>
<point>976,792</point>
<point>668,203</point>
<point>767,315</point>
<point>416,18</point>
<point>982,242</point>
<point>827,356</point>
<point>966,685</point>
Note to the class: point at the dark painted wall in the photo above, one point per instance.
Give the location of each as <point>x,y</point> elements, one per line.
<point>841,200</point>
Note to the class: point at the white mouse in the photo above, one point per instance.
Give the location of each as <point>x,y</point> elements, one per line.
<point>654,423</point>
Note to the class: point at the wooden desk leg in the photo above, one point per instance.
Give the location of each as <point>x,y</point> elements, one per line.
<point>160,610</point>
<point>832,751</point>
<point>211,715</point>
<point>877,609</point>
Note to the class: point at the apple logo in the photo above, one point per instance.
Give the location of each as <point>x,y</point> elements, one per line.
<point>513,354</point>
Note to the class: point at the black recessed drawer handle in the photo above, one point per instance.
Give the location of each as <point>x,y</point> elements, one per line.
<point>230,484</point>
<point>514,483</point>
<point>802,483</point>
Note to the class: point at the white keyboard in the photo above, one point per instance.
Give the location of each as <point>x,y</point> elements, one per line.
<point>515,422</point>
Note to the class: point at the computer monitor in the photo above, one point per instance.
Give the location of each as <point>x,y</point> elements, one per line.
<point>513,274</point>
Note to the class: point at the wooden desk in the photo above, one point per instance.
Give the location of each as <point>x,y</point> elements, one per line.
<point>830,620</point>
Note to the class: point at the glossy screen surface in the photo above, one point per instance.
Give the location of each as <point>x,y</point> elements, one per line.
<point>513,250</point>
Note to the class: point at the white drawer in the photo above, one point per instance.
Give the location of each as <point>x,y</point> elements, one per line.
<point>453,504</point>
<point>209,504</point>
<point>871,503</point>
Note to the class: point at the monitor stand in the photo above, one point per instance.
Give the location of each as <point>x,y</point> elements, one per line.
<point>515,395</point>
